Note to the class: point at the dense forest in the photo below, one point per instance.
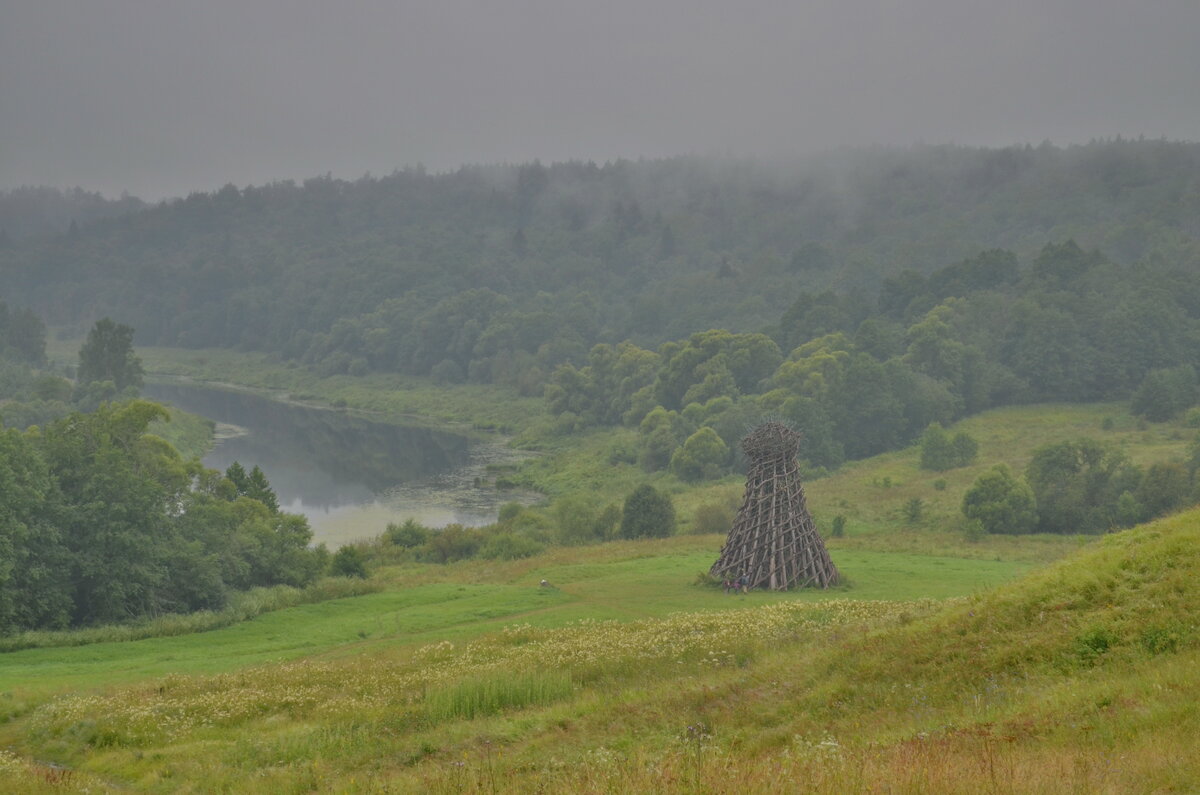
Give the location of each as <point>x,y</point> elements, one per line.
<point>498,274</point>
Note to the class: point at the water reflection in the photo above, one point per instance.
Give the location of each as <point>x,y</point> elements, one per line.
<point>350,476</point>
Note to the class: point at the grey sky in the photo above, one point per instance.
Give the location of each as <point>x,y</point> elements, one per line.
<point>159,97</point>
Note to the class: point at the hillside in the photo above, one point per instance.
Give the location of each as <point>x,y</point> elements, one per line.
<point>1078,676</point>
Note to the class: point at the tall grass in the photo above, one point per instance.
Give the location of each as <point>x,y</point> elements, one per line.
<point>488,695</point>
<point>243,606</point>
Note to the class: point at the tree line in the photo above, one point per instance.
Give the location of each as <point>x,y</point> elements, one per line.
<point>101,521</point>
<point>860,377</point>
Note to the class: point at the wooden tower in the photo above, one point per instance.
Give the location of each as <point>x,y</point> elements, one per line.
<point>774,542</point>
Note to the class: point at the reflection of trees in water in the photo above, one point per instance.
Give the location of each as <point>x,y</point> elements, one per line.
<point>323,458</point>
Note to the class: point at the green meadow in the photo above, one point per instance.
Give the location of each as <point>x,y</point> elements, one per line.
<point>657,582</point>
<point>944,663</point>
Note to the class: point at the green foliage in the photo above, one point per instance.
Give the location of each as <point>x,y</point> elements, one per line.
<point>701,457</point>
<point>712,517</point>
<point>22,336</point>
<point>107,355</point>
<point>1165,393</point>
<point>453,542</point>
<point>253,485</point>
<point>940,451</point>
<point>579,520</point>
<point>348,561</point>
<point>411,533</point>
<point>913,510</point>
<point>510,546</point>
<point>1165,487</point>
<point>647,513</point>
<point>106,523</point>
<point>838,527</point>
<point>1077,485</point>
<point>1093,643</point>
<point>1000,503</point>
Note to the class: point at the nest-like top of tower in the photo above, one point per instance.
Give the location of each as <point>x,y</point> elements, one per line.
<point>770,439</point>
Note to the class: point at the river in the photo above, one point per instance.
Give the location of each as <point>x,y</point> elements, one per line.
<point>349,475</point>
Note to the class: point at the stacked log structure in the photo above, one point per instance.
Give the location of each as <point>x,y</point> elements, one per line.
<point>774,542</point>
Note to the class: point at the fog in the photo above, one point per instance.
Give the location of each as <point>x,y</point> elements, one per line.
<point>159,99</point>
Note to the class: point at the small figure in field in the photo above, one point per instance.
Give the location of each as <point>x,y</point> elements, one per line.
<point>544,584</point>
<point>743,584</point>
<point>728,585</point>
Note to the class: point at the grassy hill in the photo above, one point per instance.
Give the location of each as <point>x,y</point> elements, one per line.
<point>1079,676</point>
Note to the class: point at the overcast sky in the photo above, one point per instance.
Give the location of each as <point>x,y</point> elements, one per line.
<point>162,97</point>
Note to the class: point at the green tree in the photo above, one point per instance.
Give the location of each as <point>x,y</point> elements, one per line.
<point>1001,503</point>
<point>1077,485</point>
<point>937,449</point>
<point>1165,393</point>
<point>1165,487</point>
<point>701,457</point>
<point>107,355</point>
<point>647,513</point>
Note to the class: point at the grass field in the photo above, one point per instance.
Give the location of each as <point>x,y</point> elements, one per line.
<point>655,581</point>
<point>1002,664</point>
<point>1078,676</point>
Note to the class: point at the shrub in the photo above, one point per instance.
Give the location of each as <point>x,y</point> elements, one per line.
<point>839,527</point>
<point>408,535</point>
<point>1165,487</point>
<point>509,546</point>
<point>701,457</point>
<point>940,451</point>
<point>349,561</point>
<point>647,513</point>
<point>712,517</point>
<point>1000,502</point>
<point>453,542</point>
<point>913,510</point>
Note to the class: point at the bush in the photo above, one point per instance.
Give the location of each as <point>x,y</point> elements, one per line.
<point>453,542</point>
<point>647,513</point>
<point>939,451</point>
<point>913,510</point>
<point>1001,503</point>
<point>576,516</point>
<point>349,561</point>
<point>408,535</point>
<point>701,457</point>
<point>1165,487</point>
<point>712,517</point>
<point>839,527</point>
<point>509,546</point>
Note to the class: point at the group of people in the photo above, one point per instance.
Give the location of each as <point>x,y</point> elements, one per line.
<point>740,585</point>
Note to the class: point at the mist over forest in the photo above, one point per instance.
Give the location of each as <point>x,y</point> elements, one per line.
<point>548,260</point>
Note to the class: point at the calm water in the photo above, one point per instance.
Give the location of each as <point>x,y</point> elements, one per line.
<point>350,476</point>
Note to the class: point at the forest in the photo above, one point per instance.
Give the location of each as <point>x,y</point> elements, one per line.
<point>499,274</point>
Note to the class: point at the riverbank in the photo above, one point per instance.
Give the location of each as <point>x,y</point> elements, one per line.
<point>408,399</point>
